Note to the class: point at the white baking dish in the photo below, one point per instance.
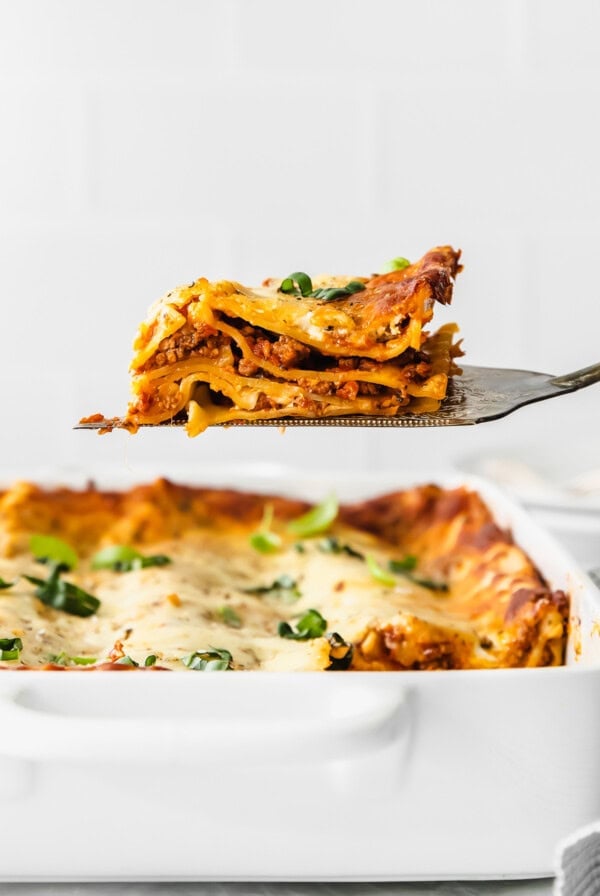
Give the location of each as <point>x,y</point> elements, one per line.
<point>307,776</point>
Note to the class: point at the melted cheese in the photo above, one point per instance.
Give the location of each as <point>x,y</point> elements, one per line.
<point>497,611</point>
<point>208,572</point>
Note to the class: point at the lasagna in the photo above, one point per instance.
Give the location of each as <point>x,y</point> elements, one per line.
<point>170,577</point>
<point>218,353</point>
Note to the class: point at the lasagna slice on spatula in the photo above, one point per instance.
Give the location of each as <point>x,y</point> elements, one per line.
<point>219,353</point>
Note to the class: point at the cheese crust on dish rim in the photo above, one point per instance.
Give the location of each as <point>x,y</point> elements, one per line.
<point>418,579</point>
<point>214,353</point>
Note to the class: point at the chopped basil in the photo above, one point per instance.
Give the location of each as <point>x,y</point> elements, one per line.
<point>316,520</point>
<point>122,558</point>
<point>264,541</point>
<point>284,587</point>
<point>340,652</point>
<point>63,659</point>
<point>338,292</point>
<point>61,595</point>
<point>379,573</point>
<point>125,661</point>
<point>428,583</point>
<point>150,660</point>
<point>405,568</point>
<point>332,545</point>
<point>48,549</point>
<point>10,648</point>
<point>212,660</point>
<point>407,564</point>
<point>311,625</point>
<point>229,617</point>
<point>396,264</point>
<point>299,548</point>
<point>4,584</point>
<point>299,284</point>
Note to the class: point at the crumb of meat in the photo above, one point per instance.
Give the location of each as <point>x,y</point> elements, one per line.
<point>202,341</point>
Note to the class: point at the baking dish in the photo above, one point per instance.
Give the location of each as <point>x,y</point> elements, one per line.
<point>307,776</point>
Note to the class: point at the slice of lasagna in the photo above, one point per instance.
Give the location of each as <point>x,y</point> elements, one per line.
<point>165,576</point>
<point>216,353</point>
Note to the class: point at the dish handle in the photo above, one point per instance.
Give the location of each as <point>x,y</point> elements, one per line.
<point>372,723</point>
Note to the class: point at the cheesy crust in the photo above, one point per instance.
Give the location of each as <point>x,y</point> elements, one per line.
<point>468,599</point>
<point>221,352</point>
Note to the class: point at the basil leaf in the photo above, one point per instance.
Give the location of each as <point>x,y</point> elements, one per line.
<point>316,520</point>
<point>264,541</point>
<point>379,573</point>
<point>63,659</point>
<point>284,586</point>
<point>125,661</point>
<point>407,564</point>
<point>4,584</point>
<point>122,558</point>
<point>297,284</point>
<point>338,292</point>
<point>10,648</point>
<point>340,652</point>
<point>229,617</point>
<point>212,660</point>
<point>61,595</point>
<point>299,548</point>
<point>428,583</point>
<point>396,264</point>
<point>150,660</point>
<point>48,549</point>
<point>311,625</point>
<point>332,545</point>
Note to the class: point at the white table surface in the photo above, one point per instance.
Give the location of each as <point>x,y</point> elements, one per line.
<point>448,888</point>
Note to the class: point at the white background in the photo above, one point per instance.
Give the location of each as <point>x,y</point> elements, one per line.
<point>144,143</point>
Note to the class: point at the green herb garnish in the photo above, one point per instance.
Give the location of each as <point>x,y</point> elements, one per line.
<point>212,660</point>
<point>407,564</point>
<point>316,520</point>
<point>396,264</point>
<point>299,284</point>
<point>284,586</point>
<point>10,648</point>
<point>405,568</point>
<point>228,615</point>
<point>264,541</point>
<point>4,584</point>
<point>379,573</point>
<point>150,660</point>
<point>122,558</point>
<point>340,652</point>
<point>332,545</point>
<point>338,292</point>
<point>48,549</point>
<point>63,659</point>
<point>61,595</point>
<point>126,661</point>
<point>311,625</point>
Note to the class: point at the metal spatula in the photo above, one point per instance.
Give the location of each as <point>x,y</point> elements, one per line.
<point>479,395</point>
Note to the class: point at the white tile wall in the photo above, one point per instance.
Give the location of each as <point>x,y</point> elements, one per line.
<point>146,142</point>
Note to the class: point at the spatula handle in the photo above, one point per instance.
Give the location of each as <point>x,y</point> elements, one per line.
<point>579,378</point>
